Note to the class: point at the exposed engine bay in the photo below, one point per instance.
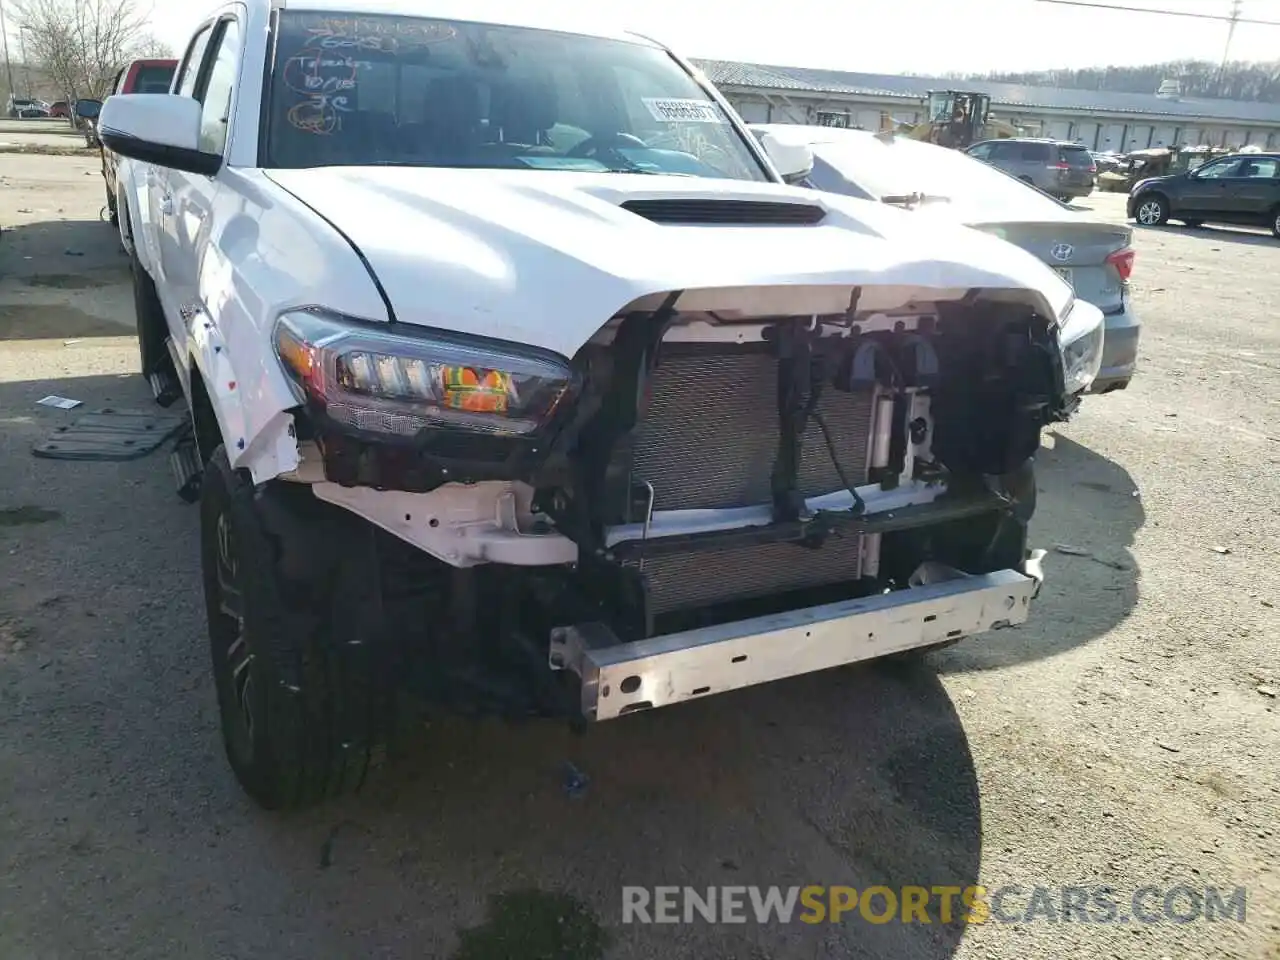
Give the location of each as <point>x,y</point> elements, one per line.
<point>702,470</point>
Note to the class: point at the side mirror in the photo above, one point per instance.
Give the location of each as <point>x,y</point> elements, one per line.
<point>793,161</point>
<point>159,128</point>
<point>87,109</point>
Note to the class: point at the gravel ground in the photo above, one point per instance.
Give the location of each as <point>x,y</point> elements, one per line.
<point>1127,737</point>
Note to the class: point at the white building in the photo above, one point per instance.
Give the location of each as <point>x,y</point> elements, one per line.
<point>1101,120</point>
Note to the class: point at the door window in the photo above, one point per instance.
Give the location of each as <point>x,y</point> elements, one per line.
<point>1264,168</point>
<point>982,151</point>
<point>191,65</point>
<point>1218,169</point>
<point>1005,151</point>
<point>219,86</point>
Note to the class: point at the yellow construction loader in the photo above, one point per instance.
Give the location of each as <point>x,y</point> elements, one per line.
<point>956,118</point>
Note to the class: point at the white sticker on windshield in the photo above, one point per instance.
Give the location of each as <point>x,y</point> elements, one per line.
<point>683,111</point>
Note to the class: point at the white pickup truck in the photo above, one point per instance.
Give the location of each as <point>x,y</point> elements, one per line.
<point>522,380</point>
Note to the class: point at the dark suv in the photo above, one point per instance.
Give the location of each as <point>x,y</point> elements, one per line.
<point>1242,189</point>
<point>1059,168</point>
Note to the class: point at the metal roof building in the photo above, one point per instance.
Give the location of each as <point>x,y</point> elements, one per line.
<point>1102,119</point>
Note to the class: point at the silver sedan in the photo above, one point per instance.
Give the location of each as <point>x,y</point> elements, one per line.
<point>1094,256</point>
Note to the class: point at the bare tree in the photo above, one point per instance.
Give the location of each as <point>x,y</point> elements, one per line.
<point>154,48</point>
<point>83,43</point>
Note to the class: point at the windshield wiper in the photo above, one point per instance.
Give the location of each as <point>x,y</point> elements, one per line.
<point>646,172</point>
<point>912,199</point>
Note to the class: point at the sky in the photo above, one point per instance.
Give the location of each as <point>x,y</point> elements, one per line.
<point>928,37</point>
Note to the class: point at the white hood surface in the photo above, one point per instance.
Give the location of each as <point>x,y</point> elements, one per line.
<point>547,258</point>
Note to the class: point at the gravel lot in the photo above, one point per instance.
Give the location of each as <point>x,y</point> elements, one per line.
<point>1127,737</point>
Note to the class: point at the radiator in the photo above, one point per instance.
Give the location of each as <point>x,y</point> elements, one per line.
<point>708,440</point>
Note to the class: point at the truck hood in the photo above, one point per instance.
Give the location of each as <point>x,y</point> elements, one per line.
<point>546,258</point>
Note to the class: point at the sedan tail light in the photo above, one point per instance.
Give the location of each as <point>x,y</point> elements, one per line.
<point>1122,260</point>
<point>1061,166</point>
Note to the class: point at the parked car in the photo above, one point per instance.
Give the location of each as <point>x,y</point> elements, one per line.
<point>1094,256</point>
<point>1243,189</point>
<point>484,373</point>
<point>60,109</point>
<point>23,108</point>
<point>1058,167</point>
<point>141,76</point>
<point>1106,161</point>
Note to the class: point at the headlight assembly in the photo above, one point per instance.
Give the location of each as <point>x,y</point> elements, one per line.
<point>399,382</point>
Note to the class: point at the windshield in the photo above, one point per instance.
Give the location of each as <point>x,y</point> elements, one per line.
<point>904,167</point>
<point>412,91</point>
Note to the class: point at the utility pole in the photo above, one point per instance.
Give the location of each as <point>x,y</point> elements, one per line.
<point>8,64</point>
<point>1233,19</point>
<point>26,64</point>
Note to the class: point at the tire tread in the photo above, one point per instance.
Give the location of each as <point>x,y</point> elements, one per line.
<point>326,708</point>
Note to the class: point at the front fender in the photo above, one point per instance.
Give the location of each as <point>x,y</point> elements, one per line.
<point>258,435</point>
<point>262,255</point>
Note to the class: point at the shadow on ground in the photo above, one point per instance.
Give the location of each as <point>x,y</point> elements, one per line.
<point>470,844</point>
<point>1217,234</point>
<point>1085,503</point>
<point>62,279</point>
<point>60,248</point>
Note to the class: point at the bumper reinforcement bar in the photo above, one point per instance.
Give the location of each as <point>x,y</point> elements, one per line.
<point>619,678</point>
<point>823,523</point>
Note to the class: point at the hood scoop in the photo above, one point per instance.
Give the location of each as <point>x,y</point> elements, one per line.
<point>726,212</point>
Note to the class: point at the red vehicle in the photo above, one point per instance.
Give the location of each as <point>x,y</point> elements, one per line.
<point>60,109</point>
<point>140,76</point>
<point>145,76</point>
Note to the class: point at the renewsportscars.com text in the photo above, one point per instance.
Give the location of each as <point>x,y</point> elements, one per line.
<point>1010,903</point>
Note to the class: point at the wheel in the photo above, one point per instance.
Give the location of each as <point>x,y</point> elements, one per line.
<point>1152,210</point>
<point>112,209</point>
<point>303,690</point>
<point>1275,222</point>
<point>1194,223</point>
<point>153,330</point>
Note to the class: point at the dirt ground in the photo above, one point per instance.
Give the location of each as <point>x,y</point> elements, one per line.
<point>1127,737</point>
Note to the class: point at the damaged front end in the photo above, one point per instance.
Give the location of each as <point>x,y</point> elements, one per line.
<point>708,495</point>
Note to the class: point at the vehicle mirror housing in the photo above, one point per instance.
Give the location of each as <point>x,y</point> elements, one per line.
<point>159,128</point>
<point>793,161</point>
<point>87,109</point>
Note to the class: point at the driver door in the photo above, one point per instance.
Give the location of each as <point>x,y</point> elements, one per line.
<point>1205,191</point>
<point>186,199</point>
<point>160,233</point>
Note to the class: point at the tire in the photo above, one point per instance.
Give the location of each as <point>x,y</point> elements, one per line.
<point>1151,210</point>
<point>303,690</point>
<point>113,209</point>
<point>153,329</point>
<point>1275,223</point>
